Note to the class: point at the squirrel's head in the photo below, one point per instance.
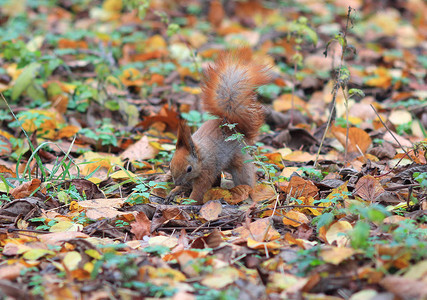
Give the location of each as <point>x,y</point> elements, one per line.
<point>185,165</point>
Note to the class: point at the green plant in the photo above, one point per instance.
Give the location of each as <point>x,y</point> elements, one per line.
<point>141,192</point>
<point>196,118</point>
<point>157,250</point>
<point>421,178</point>
<point>405,128</point>
<point>341,79</point>
<point>81,218</point>
<point>188,201</point>
<point>36,282</point>
<point>121,223</point>
<point>45,226</point>
<point>312,173</point>
<point>306,260</point>
<point>4,198</point>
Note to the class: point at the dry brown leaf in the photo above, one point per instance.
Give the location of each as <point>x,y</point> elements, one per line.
<point>25,189</point>
<point>240,193</point>
<point>212,240</point>
<point>140,150</point>
<point>103,208</point>
<point>141,226</point>
<point>260,230</point>
<point>405,288</point>
<point>299,187</point>
<point>369,188</point>
<point>11,272</point>
<point>263,192</point>
<point>211,210</point>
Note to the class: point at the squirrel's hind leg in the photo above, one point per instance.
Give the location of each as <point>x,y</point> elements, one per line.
<point>243,173</point>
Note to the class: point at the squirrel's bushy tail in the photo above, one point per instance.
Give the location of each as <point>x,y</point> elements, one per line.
<point>229,90</point>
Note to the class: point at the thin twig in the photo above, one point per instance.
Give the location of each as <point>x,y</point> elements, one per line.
<point>335,89</point>
<point>389,131</point>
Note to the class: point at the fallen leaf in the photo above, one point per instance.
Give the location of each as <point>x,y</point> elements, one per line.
<point>337,233</point>
<point>336,255</point>
<point>260,230</point>
<point>358,140</point>
<point>369,188</point>
<point>25,189</point>
<point>141,226</point>
<point>295,218</point>
<point>299,187</point>
<point>211,210</point>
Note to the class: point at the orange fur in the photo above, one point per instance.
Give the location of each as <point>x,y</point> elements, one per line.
<point>229,93</point>
<point>229,90</point>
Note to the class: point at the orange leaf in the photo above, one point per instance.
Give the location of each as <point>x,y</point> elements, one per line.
<point>263,192</point>
<point>299,187</point>
<point>216,13</point>
<point>64,43</point>
<point>216,194</point>
<point>25,189</point>
<point>295,218</point>
<point>239,193</point>
<point>357,138</point>
<point>67,132</point>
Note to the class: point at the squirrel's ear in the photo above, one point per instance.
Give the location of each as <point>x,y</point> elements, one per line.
<point>184,138</point>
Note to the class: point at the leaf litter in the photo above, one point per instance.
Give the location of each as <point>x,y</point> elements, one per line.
<point>96,90</point>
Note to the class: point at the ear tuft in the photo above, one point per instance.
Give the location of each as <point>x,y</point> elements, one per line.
<point>184,138</point>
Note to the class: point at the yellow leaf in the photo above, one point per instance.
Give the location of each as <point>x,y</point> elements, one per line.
<point>93,253</point>
<point>220,278</point>
<point>66,226</point>
<point>156,42</point>
<point>217,193</point>
<point>284,103</point>
<point>113,6</point>
<point>263,245</point>
<point>71,260</point>
<point>122,174</point>
<point>335,255</point>
<point>192,90</point>
<point>337,233</point>
<point>34,254</point>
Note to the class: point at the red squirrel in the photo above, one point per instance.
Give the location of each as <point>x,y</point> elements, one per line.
<point>228,92</point>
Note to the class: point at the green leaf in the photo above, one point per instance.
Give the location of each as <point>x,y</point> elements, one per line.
<point>358,92</point>
<point>359,235</point>
<point>36,92</point>
<point>325,219</point>
<point>25,79</point>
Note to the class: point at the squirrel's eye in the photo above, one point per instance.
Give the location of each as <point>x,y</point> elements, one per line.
<point>189,168</point>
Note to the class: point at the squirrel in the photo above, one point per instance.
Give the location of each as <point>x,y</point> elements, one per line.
<point>228,92</point>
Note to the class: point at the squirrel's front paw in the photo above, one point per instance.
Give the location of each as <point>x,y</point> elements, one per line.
<point>173,193</point>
